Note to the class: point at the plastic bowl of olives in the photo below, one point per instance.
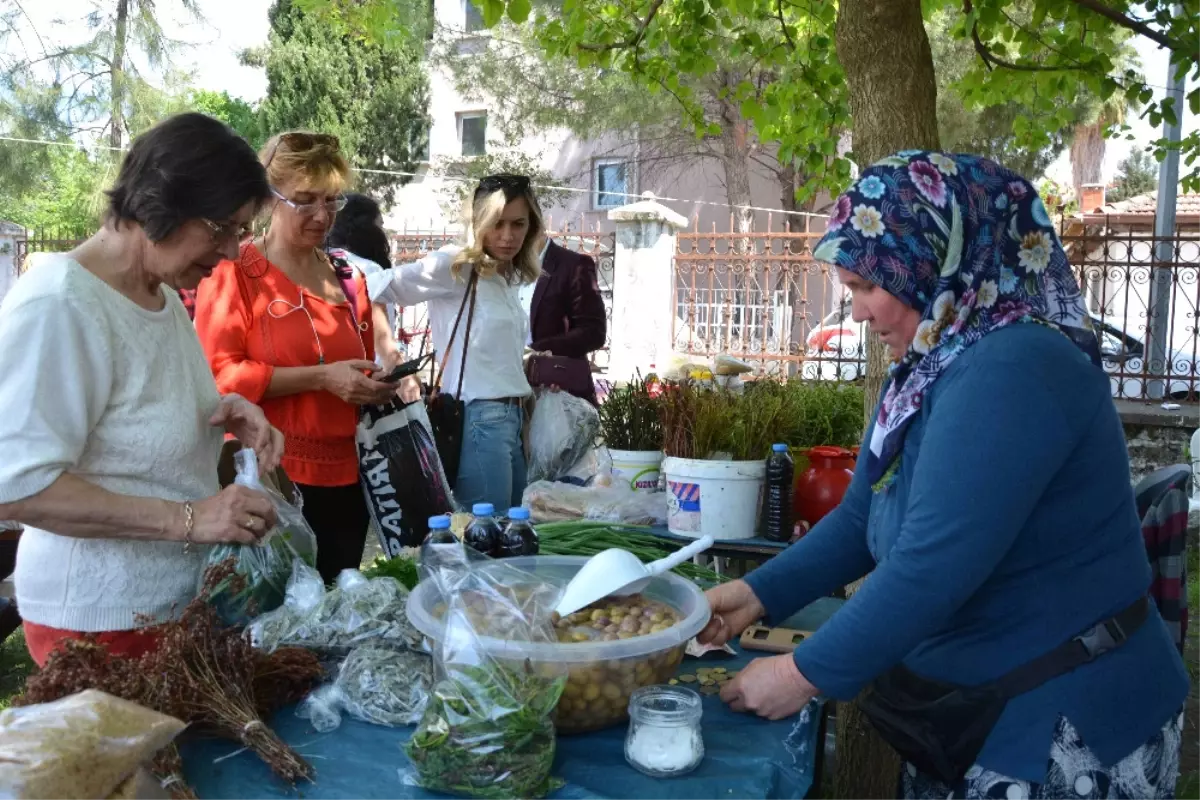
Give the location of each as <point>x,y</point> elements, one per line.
<point>610,649</point>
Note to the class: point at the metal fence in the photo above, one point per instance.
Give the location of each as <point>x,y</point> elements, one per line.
<point>1127,290</point>
<point>761,297</point>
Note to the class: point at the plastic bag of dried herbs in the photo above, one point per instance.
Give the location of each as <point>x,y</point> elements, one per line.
<point>375,684</point>
<point>82,746</point>
<point>487,731</point>
<point>260,571</point>
<point>356,610</point>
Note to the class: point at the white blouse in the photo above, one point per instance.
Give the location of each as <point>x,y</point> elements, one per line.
<point>494,367</point>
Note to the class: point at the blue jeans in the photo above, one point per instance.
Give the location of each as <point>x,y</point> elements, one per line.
<point>492,464</point>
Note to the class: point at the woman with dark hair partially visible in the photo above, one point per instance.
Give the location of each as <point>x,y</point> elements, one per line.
<point>110,421</point>
<point>358,238</point>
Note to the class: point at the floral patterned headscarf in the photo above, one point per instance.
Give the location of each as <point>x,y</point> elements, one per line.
<point>968,244</point>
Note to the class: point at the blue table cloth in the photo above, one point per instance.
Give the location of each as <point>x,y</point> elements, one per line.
<point>746,757</point>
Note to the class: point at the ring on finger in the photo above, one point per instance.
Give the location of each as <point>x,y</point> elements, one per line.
<point>251,524</point>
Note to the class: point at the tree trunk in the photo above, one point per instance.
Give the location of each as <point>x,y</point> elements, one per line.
<point>735,152</point>
<point>876,41</point>
<point>116,133</point>
<point>1087,156</point>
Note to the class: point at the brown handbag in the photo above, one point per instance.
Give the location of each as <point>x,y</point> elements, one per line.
<point>572,375</point>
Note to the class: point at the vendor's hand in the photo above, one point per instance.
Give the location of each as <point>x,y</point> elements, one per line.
<point>237,514</point>
<point>770,687</point>
<point>348,380</point>
<point>734,607</point>
<point>247,422</point>
<point>410,389</point>
<point>390,358</point>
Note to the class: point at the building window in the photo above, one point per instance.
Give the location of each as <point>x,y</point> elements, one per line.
<point>472,132</point>
<point>473,20</point>
<point>610,182</point>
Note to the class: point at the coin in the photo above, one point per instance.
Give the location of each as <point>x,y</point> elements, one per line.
<point>673,682</point>
<point>707,682</point>
<point>713,689</point>
<point>688,678</point>
<point>719,670</point>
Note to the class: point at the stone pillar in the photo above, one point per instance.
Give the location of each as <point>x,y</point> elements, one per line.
<point>643,287</point>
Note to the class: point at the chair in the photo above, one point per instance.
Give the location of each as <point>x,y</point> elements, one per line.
<point>1162,504</point>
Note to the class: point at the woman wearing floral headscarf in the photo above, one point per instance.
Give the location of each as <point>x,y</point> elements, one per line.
<point>1004,629</point>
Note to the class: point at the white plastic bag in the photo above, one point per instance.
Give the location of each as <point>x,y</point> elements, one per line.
<point>562,431</point>
<point>557,502</point>
<point>260,571</point>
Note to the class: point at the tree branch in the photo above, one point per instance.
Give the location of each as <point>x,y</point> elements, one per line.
<point>787,35</point>
<point>1137,27</point>
<point>633,41</point>
<point>991,60</point>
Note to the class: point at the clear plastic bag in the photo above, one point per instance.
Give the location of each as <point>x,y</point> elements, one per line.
<point>562,431</point>
<point>82,746</point>
<point>557,502</point>
<point>374,684</point>
<point>357,609</point>
<point>260,571</point>
<point>487,731</point>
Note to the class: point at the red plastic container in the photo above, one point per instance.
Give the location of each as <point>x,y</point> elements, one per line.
<point>821,487</point>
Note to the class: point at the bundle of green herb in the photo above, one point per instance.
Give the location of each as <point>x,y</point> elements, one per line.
<point>260,571</point>
<point>630,417</point>
<point>487,733</point>
<point>401,568</point>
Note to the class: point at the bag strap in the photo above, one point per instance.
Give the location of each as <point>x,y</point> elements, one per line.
<point>468,296</point>
<point>1092,643</point>
<point>345,276</point>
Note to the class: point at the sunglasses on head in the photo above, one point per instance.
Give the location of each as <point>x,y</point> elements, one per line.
<point>511,185</point>
<point>303,140</point>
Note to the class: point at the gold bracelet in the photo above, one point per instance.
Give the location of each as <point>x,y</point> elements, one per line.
<point>189,523</point>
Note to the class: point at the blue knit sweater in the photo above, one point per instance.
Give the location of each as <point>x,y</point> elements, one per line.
<point>1009,527</point>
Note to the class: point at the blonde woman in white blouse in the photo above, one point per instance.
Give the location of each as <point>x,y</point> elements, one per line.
<point>502,247</point>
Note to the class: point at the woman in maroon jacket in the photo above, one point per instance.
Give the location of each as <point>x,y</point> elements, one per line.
<point>566,316</point>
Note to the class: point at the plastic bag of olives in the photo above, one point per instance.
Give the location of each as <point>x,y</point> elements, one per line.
<point>487,730</point>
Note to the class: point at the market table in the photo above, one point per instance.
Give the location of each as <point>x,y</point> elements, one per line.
<point>746,757</point>
<point>755,548</point>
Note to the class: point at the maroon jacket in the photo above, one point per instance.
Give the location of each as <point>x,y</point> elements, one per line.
<point>567,315</point>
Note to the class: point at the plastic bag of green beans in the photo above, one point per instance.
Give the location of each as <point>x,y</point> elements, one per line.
<point>261,571</point>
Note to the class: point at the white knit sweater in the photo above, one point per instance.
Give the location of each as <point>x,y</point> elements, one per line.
<point>95,385</point>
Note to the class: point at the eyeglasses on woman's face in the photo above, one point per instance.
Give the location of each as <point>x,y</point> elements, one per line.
<point>331,205</point>
<point>222,232</point>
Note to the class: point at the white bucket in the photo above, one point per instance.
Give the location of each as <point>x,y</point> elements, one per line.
<point>721,499</point>
<point>638,468</point>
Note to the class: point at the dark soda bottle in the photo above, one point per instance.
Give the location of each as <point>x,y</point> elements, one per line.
<point>519,538</point>
<point>777,505</point>
<point>483,534</point>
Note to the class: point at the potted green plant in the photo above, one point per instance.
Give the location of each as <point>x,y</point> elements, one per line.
<point>631,428</point>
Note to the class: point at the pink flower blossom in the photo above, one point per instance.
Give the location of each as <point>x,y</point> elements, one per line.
<point>928,182</point>
<point>841,212</point>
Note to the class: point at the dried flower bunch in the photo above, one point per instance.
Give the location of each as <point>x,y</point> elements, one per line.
<point>201,672</point>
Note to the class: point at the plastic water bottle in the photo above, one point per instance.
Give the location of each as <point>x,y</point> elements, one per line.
<point>519,538</point>
<point>483,534</point>
<point>441,548</point>
<point>777,507</point>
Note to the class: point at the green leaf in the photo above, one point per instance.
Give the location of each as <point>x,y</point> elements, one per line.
<point>492,11</point>
<point>518,10</point>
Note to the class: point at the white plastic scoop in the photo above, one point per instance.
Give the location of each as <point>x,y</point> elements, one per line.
<point>619,572</point>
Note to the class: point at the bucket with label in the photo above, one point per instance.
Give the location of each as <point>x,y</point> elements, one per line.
<point>637,469</point>
<point>722,499</point>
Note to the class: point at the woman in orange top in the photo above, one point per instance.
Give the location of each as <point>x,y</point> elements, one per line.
<point>278,330</point>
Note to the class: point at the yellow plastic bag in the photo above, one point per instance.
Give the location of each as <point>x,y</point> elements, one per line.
<point>83,746</point>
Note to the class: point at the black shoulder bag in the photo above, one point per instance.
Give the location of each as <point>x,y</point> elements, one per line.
<point>447,413</point>
<point>940,727</point>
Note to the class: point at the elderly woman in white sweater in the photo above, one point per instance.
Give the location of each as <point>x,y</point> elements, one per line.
<point>110,422</point>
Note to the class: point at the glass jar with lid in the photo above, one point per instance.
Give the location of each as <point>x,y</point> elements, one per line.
<point>664,738</point>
